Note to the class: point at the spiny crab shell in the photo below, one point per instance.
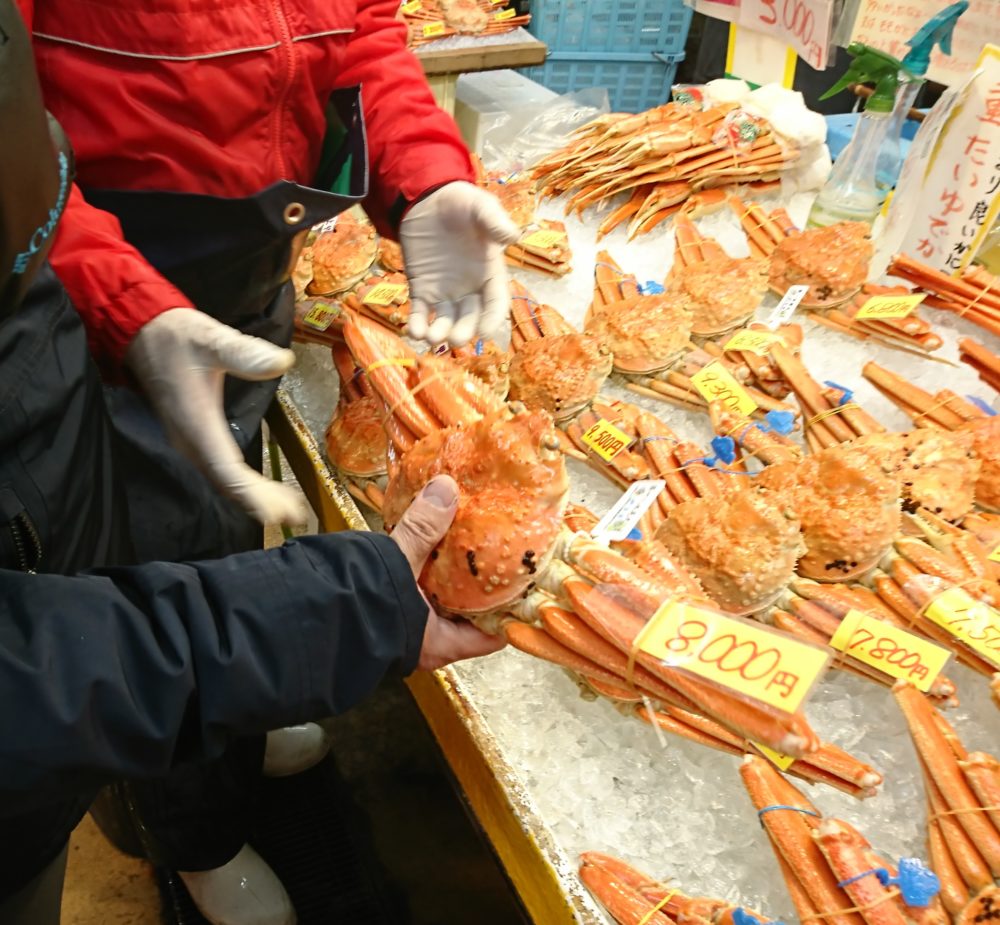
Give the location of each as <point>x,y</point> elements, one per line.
<point>986,445</point>
<point>645,333</point>
<point>487,361</point>
<point>341,257</point>
<point>742,547</point>
<point>848,504</point>
<point>356,441</point>
<point>832,262</point>
<point>560,374</point>
<point>513,490</point>
<point>937,469</point>
<point>722,292</point>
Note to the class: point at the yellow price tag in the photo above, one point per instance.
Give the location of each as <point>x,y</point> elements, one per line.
<point>716,383</point>
<point>759,342</point>
<point>995,555</point>
<point>784,762</point>
<point>748,659</point>
<point>321,316</point>
<point>545,238</point>
<point>506,14</point>
<point>891,650</point>
<point>889,306</point>
<point>975,623</point>
<point>412,7</point>
<point>606,440</point>
<point>433,28</point>
<point>384,294</point>
<point>497,2</point>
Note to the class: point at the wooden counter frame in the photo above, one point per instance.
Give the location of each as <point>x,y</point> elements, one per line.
<point>489,784</point>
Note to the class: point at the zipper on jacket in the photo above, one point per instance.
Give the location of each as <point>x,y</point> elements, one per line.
<point>27,545</point>
<point>278,113</point>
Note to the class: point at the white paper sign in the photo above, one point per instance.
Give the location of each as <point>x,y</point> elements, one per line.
<point>786,307</point>
<point>627,511</point>
<point>806,25</point>
<point>959,198</point>
<point>887,24</point>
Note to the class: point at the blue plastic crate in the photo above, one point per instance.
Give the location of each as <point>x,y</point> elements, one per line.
<point>619,26</point>
<point>632,85</point>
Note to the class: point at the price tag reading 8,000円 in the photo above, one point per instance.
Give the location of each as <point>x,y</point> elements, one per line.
<point>975,623</point>
<point>891,650</point>
<point>716,383</point>
<point>606,440</point>
<point>889,306</point>
<point>506,14</point>
<point>544,238</point>
<point>433,28</point>
<point>747,659</point>
<point>410,8</point>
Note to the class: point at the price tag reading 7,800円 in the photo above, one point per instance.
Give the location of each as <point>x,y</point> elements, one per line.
<point>975,623</point>
<point>891,650</point>
<point>716,383</point>
<point>748,659</point>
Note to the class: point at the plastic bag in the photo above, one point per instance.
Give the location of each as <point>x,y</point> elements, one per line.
<point>522,137</point>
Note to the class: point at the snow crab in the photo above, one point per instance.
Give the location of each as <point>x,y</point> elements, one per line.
<point>722,291</point>
<point>356,442</point>
<point>963,793</point>
<point>552,259</point>
<point>631,896</point>
<point>390,255</point>
<point>487,361</point>
<point>832,261</point>
<point>385,298</point>
<point>554,368</point>
<point>742,547</point>
<point>647,334</point>
<point>848,505</point>
<point>948,411</point>
<point>342,256</point>
<point>824,860</point>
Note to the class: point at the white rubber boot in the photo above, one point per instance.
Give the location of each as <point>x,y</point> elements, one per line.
<point>295,749</point>
<point>243,892</point>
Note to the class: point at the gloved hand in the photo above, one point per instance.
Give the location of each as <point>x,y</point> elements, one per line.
<point>425,521</point>
<point>180,358</point>
<point>453,243</point>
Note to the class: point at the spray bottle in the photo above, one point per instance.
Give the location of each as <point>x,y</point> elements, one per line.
<point>852,193</point>
<point>913,68</point>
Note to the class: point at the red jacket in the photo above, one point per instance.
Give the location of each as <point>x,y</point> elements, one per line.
<point>221,97</point>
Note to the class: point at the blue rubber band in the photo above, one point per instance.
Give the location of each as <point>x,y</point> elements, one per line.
<point>794,809</point>
<point>981,405</point>
<point>879,872</point>
<point>479,347</point>
<point>848,393</point>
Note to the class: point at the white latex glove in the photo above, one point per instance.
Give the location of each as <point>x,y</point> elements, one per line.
<point>180,358</point>
<point>453,243</point>
<point>420,528</point>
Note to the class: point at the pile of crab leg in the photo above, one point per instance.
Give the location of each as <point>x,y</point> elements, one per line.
<point>829,868</point>
<point>438,19</point>
<point>975,295</point>
<point>984,361</point>
<point>633,898</point>
<point>912,331</point>
<point>963,808</point>
<point>664,156</point>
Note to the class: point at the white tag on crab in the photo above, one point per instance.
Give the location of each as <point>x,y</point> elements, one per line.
<point>786,307</point>
<point>324,227</point>
<point>628,510</point>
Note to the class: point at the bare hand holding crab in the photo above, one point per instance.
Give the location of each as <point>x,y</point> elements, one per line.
<point>427,520</point>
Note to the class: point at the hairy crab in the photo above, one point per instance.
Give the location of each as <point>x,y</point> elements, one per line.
<point>342,256</point>
<point>554,368</point>
<point>832,261</point>
<point>848,504</point>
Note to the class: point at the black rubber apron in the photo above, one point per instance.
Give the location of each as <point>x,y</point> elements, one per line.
<point>232,259</point>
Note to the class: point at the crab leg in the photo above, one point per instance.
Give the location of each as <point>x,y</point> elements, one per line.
<point>625,903</point>
<point>942,411</point>
<point>624,211</point>
<point>791,836</point>
<point>982,771</point>
<point>943,768</point>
